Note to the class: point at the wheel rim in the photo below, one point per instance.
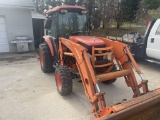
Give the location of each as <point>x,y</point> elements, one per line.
<point>58,80</point>
<point>41,58</point>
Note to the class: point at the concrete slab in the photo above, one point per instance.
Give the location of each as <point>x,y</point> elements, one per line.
<point>26,93</point>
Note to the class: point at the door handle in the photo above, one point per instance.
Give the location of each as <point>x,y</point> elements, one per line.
<point>152,40</point>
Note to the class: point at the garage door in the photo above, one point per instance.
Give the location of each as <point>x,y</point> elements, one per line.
<point>3,36</point>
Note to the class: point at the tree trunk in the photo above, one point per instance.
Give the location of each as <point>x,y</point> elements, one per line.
<point>90,6</point>
<point>118,24</point>
<point>130,25</point>
<point>103,24</point>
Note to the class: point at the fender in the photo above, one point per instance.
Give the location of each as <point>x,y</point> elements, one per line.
<point>51,43</point>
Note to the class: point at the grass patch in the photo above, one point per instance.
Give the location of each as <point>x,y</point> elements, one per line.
<point>117,32</point>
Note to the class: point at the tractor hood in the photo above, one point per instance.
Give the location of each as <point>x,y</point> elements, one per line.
<point>87,40</point>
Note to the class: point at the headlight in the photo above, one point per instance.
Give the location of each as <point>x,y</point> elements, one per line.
<point>90,56</point>
<point>99,51</point>
<point>63,11</point>
<point>84,11</point>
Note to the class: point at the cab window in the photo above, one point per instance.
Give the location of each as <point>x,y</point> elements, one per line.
<point>158,30</point>
<point>53,26</point>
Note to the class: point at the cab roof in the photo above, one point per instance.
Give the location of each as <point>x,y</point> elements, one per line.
<point>58,8</point>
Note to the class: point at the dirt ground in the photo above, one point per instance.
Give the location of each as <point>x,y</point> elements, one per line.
<point>26,93</point>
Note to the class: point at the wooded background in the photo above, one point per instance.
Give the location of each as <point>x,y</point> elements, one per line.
<point>111,13</point>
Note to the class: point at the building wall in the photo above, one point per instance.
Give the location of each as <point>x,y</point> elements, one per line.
<point>18,23</point>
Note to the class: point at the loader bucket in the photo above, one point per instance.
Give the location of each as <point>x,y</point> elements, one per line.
<point>145,107</point>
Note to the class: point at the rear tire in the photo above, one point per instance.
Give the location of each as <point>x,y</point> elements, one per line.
<point>63,80</point>
<point>46,59</point>
<point>113,80</point>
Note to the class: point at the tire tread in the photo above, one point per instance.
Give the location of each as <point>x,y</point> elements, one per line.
<point>47,58</point>
<point>66,79</point>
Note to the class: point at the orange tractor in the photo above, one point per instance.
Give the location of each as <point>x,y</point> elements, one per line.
<point>72,53</point>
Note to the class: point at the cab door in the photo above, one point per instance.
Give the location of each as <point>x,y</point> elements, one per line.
<point>153,44</point>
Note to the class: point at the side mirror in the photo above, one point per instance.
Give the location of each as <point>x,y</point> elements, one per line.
<point>48,24</point>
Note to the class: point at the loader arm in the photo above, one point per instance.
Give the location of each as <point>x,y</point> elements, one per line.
<point>90,80</point>
<point>125,60</point>
<point>88,77</point>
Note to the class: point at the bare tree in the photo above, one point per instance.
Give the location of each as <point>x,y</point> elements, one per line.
<point>106,9</point>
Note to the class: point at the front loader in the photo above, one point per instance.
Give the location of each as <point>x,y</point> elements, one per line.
<point>72,53</point>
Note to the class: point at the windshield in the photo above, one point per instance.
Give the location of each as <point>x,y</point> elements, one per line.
<point>72,23</point>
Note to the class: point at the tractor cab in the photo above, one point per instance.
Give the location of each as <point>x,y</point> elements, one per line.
<point>65,21</point>
<point>71,22</point>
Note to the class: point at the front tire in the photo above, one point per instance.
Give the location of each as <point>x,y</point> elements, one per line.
<point>63,80</point>
<point>46,59</point>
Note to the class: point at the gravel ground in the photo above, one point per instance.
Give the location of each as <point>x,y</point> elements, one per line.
<point>28,94</point>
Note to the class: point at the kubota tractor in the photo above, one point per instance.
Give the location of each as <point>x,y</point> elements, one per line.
<point>71,53</point>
